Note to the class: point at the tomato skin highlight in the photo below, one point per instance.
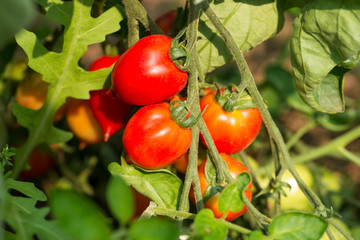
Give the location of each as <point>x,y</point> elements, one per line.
<point>152,139</point>
<point>145,74</point>
<point>103,62</point>
<point>235,168</point>
<point>231,131</point>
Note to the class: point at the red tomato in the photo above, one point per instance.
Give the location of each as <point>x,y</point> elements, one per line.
<point>110,112</point>
<point>235,168</point>
<point>152,139</point>
<point>145,74</point>
<point>40,162</point>
<point>231,131</point>
<point>166,21</point>
<point>103,62</point>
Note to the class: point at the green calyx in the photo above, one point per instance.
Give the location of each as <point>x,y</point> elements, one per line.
<point>232,98</point>
<point>181,114</point>
<point>178,52</point>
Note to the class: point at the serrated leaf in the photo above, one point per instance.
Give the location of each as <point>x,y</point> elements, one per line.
<point>207,228</point>
<point>154,229</point>
<point>250,22</point>
<point>61,70</point>
<point>231,196</point>
<point>297,225</point>
<point>27,220</point>
<point>161,186</point>
<point>325,45</point>
<point>26,188</point>
<point>79,216</point>
<point>120,199</point>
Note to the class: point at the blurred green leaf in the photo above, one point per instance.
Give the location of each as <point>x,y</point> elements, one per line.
<point>259,20</point>
<point>120,199</point>
<point>79,216</point>
<point>325,45</point>
<point>14,14</point>
<point>61,70</point>
<point>297,225</point>
<point>231,196</point>
<point>340,121</point>
<point>161,186</point>
<point>154,229</point>
<point>256,235</point>
<point>23,217</point>
<point>207,228</point>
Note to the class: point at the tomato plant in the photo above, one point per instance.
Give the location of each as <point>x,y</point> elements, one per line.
<point>231,131</point>
<point>152,139</point>
<point>235,168</point>
<point>145,74</point>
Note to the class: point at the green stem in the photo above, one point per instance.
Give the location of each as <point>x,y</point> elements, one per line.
<point>248,166</point>
<point>299,134</point>
<point>141,15</point>
<point>340,229</point>
<point>247,77</point>
<point>349,155</point>
<point>330,147</point>
<point>132,23</point>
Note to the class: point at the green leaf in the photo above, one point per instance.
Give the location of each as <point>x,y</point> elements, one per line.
<point>325,45</point>
<point>14,14</point>
<point>154,229</point>
<point>207,228</point>
<point>297,225</point>
<point>79,216</point>
<point>120,199</point>
<point>61,70</point>
<point>161,186</point>
<point>231,196</point>
<point>24,218</point>
<point>26,188</point>
<point>250,22</point>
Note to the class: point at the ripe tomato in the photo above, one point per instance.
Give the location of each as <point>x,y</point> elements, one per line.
<point>166,21</point>
<point>40,162</point>
<point>110,112</point>
<point>235,168</point>
<point>83,123</point>
<point>103,62</point>
<point>231,131</point>
<point>145,74</point>
<point>152,139</point>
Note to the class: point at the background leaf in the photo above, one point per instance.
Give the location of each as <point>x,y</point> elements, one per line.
<point>14,14</point>
<point>161,186</point>
<point>207,228</point>
<point>325,45</point>
<point>61,70</point>
<point>297,225</point>
<point>120,199</point>
<point>154,229</point>
<point>249,21</point>
<point>79,216</point>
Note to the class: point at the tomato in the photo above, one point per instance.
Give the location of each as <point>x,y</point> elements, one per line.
<point>152,139</point>
<point>40,162</point>
<point>110,112</point>
<point>103,62</point>
<point>141,203</point>
<point>182,163</point>
<point>83,123</point>
<point>235,168</point>
<point>231,131</point>
<point>32,91</point>
<point>145,74</point>
<point>166,21</point>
